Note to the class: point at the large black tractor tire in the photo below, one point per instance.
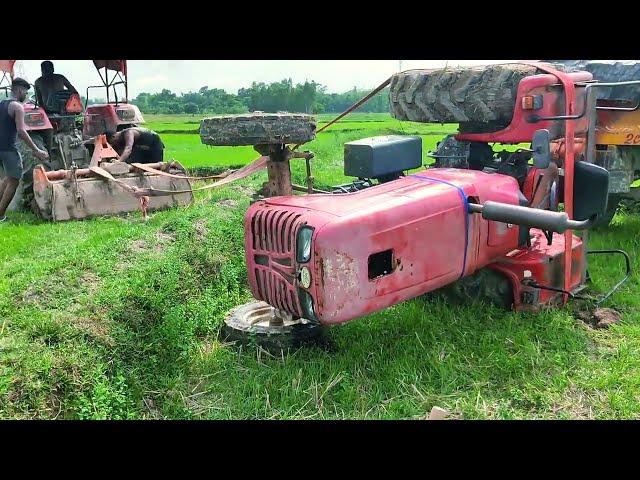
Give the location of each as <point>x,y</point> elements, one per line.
<point>258,129</point>
<point>478,97</point>
<point>609,71</point>
<point>487,285</point>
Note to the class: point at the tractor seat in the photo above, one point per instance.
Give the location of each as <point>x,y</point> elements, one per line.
<point>57,101</point>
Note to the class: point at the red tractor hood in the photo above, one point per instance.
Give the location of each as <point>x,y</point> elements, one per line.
<point>409,187</point>
<point>376,247</point>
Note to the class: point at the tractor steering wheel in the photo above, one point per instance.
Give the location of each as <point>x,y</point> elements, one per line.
<point>32,100</point>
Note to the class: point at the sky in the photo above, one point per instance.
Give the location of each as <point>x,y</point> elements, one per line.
<point>181,76</point>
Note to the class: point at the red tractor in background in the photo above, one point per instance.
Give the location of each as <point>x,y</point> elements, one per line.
<point>482,221</point>
<point>71,133</point>
<point>116,114</point>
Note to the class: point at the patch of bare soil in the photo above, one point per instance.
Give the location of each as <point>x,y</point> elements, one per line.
<point>138,246</point>
<point>122,266</point>
<point>48,288</point>
<point>228,203</point>
<point>30,295</point>
<point>162,239</point>
<point>578,403</point>
<point>95,327</point>
<point>90,280</point>
<point>600,317</point>
<point>201,229</point>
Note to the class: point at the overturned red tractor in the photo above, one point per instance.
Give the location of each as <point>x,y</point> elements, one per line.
<point>492,228</point>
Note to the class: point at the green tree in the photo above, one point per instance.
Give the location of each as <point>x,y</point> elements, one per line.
<point>191,108</point>
<point>307,97</point>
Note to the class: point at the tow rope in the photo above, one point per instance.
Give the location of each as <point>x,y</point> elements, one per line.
<point>363,100</point>
<point>261,162</point>
<point>143,199</point>
<point>148,169</point>
<point>143,194</point>
<point>140,192</point>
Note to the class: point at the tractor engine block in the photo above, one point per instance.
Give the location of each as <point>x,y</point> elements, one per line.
<point>452,153</point>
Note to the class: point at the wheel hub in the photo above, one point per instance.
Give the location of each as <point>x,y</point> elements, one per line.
<point>259,323</point>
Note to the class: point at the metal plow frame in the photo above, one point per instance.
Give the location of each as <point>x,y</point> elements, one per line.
<point>76,194</point>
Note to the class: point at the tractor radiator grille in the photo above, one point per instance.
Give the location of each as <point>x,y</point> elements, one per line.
<point>273,241</point>
<point>273,230</point>
<point>277,292</point>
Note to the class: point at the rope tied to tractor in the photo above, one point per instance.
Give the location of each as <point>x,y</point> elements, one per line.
<point>143,193</point>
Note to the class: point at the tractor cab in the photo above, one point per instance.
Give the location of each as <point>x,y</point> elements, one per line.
<point>117,114</point>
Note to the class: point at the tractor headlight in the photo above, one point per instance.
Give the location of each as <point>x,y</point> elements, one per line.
<point>305,277</point>
<point>303,244</point>
<point>306,302</point>
<point>126,114</point>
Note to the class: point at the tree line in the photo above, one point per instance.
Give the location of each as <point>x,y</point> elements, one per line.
<point>307,97</point>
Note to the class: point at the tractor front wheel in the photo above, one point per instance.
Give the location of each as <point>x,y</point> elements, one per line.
<point>485,285</point>
<point>261,324</point>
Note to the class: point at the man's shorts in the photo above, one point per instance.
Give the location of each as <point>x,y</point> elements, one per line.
<point>146,154</point>
<point>11,163</point>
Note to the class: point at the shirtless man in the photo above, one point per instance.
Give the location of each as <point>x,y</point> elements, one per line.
<point>50,83</point>
<point>137,145</point>
<point>12,126</point>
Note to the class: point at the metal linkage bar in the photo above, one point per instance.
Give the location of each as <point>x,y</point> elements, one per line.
<point>537,118</point>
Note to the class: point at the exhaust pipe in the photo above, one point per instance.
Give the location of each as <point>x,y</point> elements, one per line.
<point>531,217</point>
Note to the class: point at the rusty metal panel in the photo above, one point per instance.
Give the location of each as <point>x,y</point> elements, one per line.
<point>61,200</point>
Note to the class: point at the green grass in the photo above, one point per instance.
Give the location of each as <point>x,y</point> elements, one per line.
<point>118,318</point>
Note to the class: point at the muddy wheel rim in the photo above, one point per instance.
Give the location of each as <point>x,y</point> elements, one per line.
<point>264,315</point>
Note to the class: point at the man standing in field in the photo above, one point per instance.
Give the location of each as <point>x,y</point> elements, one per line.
<point>12,125</point>
<point>137,145</point>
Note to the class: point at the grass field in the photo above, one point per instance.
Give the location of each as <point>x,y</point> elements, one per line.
<point>118,318</point>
